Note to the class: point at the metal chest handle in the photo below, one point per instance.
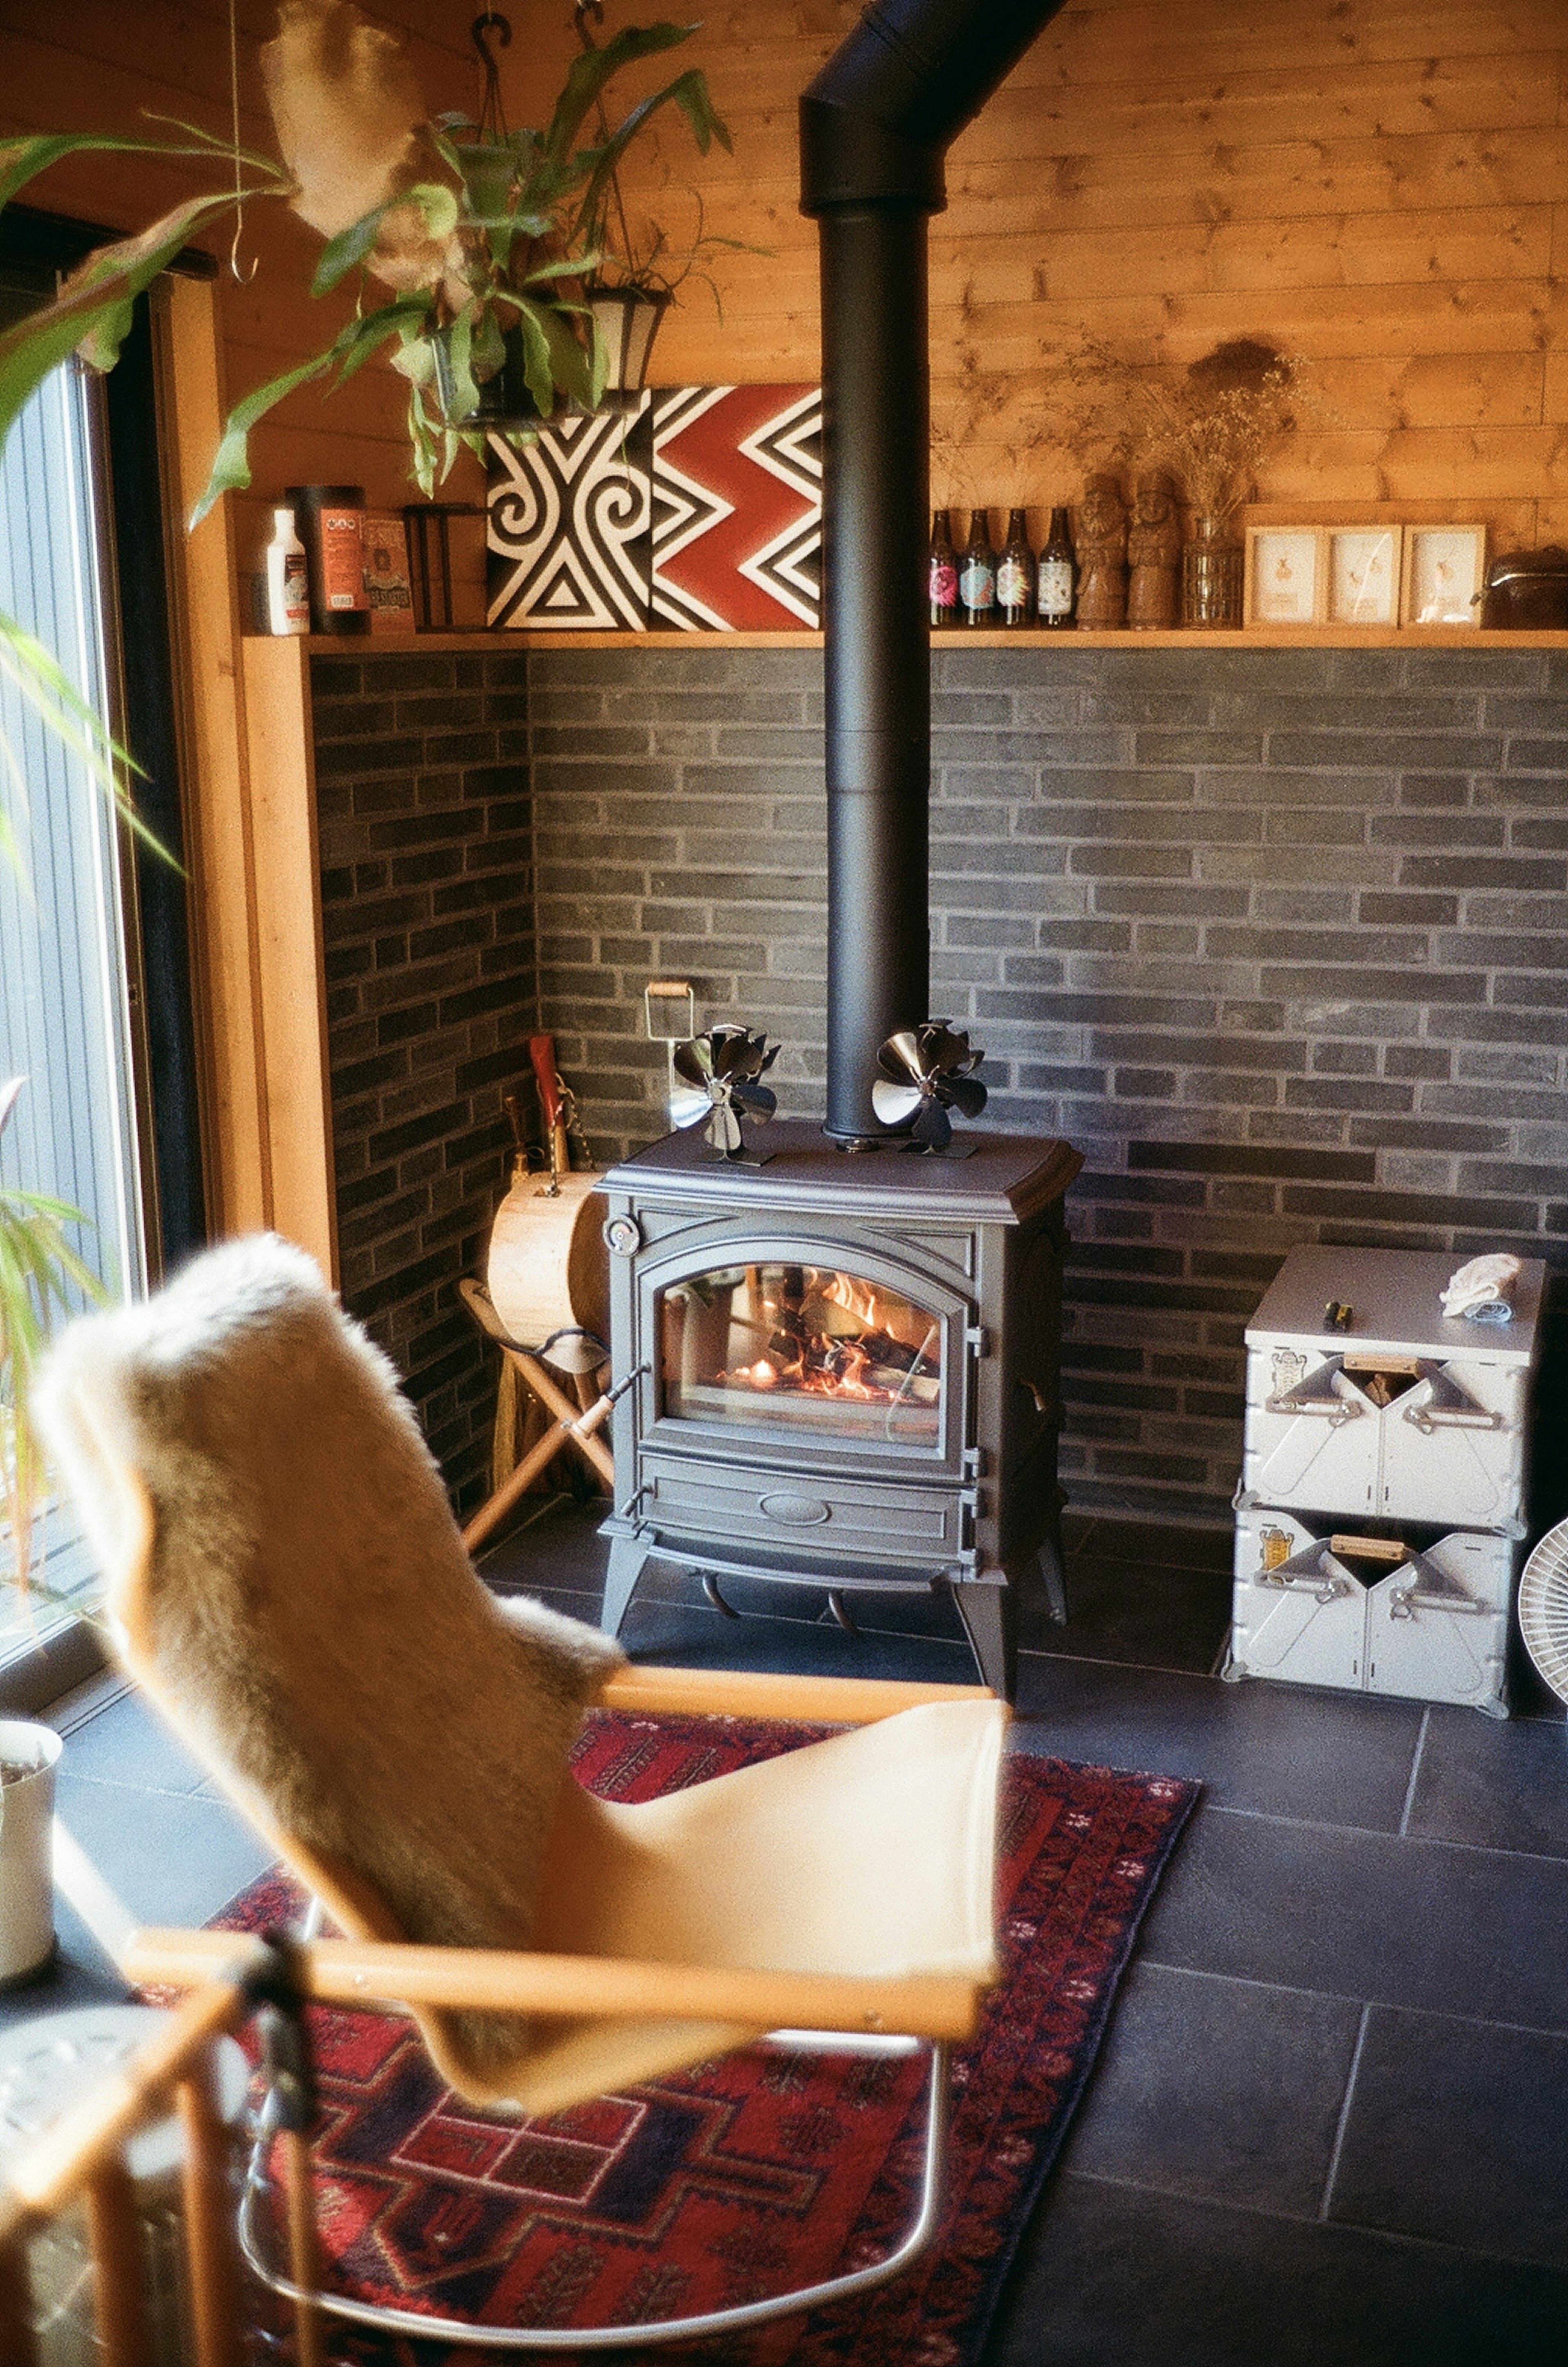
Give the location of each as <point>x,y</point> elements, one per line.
<point>1404,1602</point>
<point>1336,1412</point>
<point>1302,1582</point>
<point>1429,1417</point>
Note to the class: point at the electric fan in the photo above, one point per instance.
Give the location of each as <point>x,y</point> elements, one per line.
<point>1543,1608</point>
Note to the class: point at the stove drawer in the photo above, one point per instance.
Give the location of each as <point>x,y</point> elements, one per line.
<point>724,1503</point>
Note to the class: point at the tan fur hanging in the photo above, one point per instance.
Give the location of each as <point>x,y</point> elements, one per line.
<point>350,122</point>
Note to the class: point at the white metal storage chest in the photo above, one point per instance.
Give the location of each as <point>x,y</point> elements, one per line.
<point>1406,1429</point>
<point>1321,1606</point>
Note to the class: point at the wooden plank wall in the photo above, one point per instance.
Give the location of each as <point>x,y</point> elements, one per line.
<point>1379,186</point>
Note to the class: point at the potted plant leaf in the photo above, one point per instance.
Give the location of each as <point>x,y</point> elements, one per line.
<point>39,1273</point>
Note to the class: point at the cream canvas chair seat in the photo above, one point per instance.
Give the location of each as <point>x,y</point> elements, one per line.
<point>289,1586</point>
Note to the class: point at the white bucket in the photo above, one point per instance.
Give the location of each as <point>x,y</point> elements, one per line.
<point>26,1875</point>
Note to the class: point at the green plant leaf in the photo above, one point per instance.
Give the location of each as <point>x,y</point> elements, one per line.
<point>92,303</point>
<point>29,666</point>
<point>537,375</point>
<point>569,266</point>
<point>349,349</point>
<point>438,203</point>
<point>487,358</point>
<point>462,396</point>
<point>350,246</point>
<point>589,74</point>
<point>571,365</point>
<point>22,159</point>
<point>690,93</point>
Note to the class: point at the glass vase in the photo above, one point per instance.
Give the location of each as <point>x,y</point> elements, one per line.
<point>1212,564</point>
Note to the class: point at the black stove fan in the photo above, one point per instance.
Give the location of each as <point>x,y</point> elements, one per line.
<point>926,1072</point>
<point>722,1072</point>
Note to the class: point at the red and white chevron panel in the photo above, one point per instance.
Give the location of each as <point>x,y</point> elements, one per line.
<point>737,507</point>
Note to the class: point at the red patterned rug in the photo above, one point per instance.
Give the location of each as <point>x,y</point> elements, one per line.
<point>762,2170</point>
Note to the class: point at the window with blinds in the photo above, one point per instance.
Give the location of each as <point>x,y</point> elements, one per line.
<point>66,1020</point>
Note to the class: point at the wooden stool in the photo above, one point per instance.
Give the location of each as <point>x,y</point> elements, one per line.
<point>573,1424</point>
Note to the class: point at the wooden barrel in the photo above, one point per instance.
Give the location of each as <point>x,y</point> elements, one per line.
<point>548,1267</point>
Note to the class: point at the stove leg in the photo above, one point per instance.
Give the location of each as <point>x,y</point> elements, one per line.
<point>990,1613</point>
<point>1053,1562</point>
<point>627,1555</point>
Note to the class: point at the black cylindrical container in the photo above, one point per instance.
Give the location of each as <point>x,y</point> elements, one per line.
<point>330,522</point>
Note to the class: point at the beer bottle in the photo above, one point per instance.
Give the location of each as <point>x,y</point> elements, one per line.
<point>1058,578</point>
<point>1015,574</point>
<point>977,578</point>
<point>941,572</point>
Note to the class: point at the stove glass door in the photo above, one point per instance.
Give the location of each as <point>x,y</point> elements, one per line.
<point>812,1349</point>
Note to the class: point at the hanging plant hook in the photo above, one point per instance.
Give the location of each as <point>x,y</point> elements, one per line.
<point>491,21</point>
<point>492,115</point>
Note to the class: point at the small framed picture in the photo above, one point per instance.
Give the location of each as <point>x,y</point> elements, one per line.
<point>1444,570</point>
<point>1363,575</point>
<point>1284,575</point>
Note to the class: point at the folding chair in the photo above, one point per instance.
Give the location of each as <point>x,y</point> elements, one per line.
<point>292,1590</point>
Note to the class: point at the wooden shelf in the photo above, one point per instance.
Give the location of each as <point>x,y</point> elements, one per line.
<point>1254,636</point>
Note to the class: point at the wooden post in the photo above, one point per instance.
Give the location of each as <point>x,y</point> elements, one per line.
<point>210,2254</point>
<point>119,2301</point>
<point>221,853</point>
<point>304,2250</point>
<point>17,2347</point>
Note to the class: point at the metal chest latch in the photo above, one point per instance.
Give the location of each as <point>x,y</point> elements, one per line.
<point>1431,1589</point>
<point>1316,1395</point>
<point>1448,1407</point>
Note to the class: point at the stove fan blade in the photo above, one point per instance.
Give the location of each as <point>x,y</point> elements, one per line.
<point>720,1072</point>
<point>926,1072</point>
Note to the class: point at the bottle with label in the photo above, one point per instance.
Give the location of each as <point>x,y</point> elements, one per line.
<point>1058,576</point>
<point>1015,574</point>
<point>288,579</point>
<point>977,577</point>
<point>331,520</point>
<point>941,572</point>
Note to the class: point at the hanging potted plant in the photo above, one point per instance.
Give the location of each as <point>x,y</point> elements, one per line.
<point>482,237</point>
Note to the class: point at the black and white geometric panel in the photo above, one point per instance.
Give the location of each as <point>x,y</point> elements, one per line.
<point>569,532</point>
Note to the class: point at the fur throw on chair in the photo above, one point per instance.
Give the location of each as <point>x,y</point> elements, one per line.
<point>307,1614</point>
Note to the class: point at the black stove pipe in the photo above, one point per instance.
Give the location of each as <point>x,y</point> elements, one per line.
<point>874,129</point>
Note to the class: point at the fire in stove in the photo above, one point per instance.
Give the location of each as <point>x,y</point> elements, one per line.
<point>819,1345</point>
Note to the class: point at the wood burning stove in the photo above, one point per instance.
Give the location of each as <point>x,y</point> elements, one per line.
<point>846,1372</point>
<point>845,1366</point>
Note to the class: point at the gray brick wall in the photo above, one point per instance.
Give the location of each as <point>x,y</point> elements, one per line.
<point>1278,938</point>
<point>427,906</point>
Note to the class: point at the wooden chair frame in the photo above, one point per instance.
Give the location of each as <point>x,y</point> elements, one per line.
<point>572,1426</point>
<point>84,2154</point>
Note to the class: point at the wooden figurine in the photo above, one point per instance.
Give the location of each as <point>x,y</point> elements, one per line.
<point>1102,555</point>
<point>1153,553</point>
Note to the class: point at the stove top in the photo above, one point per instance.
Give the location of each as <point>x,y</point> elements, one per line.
<point>1002,1174</point>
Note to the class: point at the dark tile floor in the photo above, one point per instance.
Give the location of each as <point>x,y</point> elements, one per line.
<point>1330,2123</point>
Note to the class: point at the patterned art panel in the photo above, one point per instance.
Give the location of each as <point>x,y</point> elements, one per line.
<point>737,507</point>
<point>699,511</point>
<point>568,525</point>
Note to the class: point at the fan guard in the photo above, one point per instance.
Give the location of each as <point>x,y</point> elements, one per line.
<point>1543,1608</point>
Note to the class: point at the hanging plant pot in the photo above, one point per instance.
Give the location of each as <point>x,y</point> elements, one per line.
<point>628,318</point>
<point>28,1754</point>
<point>501,399</point>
